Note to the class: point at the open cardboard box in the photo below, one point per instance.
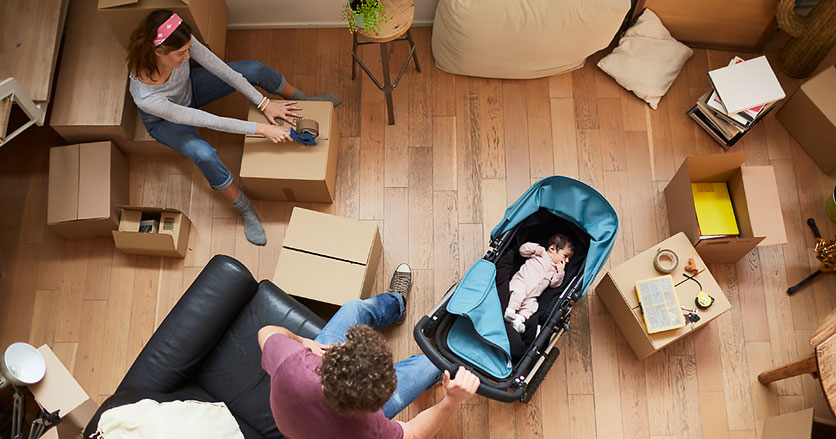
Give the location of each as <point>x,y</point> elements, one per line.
<point>86,183</point>
<point>754,195</point>
<point>328,258</point>
<point>798,425</point>
<point>58,390</point>
<point>810,116</point>
<point>207,18</point>
<point>171,240</point>
<point>293,171</point>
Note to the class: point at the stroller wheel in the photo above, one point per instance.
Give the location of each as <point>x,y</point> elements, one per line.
<point>540,375</point>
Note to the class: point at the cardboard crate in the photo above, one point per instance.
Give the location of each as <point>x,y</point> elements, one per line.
<point>810,116</point>
<point>207,18</point>
<point>754,195</point>
<point>798,425</point>
<point>328,258</point>
<point>171,240</point>
<point>58,390</point>
<point>293,171</point>
<point>86,183</point>
<point>617,290</point>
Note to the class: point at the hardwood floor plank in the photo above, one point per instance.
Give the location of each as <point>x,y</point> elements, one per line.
<point>632,391</point>
<point>660,396</point>
<point>114,347</point>
<point>585,94</point>
<point>529,419</point>
<point>604,356</point>
<point>764,398</point>
<point>372,131</point>
<point>97,280</point>
<point>709,360</point>
<point>88,364</point>
<point>274,217</point>
<point>538,114</point>
<point>487,126</point>
<point>445,242</point>
<point>396,137</point>
<point>494,203</point>
<point>66,352</point>
<point>686,401</point>
<point>581,419</point>
<point>200,209</point>
<point>395,234</point>
<point>578,352</point>
<point>517,171</point>
<point>42,330</point>
<point>472,245</point>
<point>170,289</point>
<point>640,192</point>
<point>752,302</point>
<point>444,159</point>
<point>420,92</point>
<point>713,418</point>
<point>612,134</point>
<point>223,237</point>
<point>560,86</point>
<point>146,288</point>
<point>67,323</point>
<point>589,158</point>
<point>564,144</point>
<point>443,91</point>
<point>475,422</point>
<point>243,250</point>
<point>467,152</point>
<point>420,207</point>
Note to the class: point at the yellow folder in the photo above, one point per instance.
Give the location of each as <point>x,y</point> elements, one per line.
<point>715,213</point>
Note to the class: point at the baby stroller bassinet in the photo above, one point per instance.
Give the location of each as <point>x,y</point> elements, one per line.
<point>467,327</point>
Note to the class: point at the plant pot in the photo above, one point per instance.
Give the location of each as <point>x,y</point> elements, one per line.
<point>358,20</point>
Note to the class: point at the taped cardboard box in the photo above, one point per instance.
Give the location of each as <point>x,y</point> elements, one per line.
<point>86,184</point>
<point>58,390</point>
<point>754,195</point>
<point>810,117</point>
<point>207,18</point>
<point>293,171</point>
<point>617,290</point>
<point>328,258</point>
<point>171,239</point>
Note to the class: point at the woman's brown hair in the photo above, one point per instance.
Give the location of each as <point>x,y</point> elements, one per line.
<point>141,59</point>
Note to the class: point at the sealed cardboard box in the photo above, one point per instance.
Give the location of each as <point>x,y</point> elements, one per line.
<point>328,258</point>
<point>754,196</point>
<point>170,239</point>
<point>86,183</point>
<point>810,116</point>
<point>207,18</point>
<point>617,290</point>
<point>293,171</point>
<point>798,425</point>
<point>58,390</point>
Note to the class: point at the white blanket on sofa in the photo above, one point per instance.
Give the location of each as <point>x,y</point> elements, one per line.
<point>148,419</point>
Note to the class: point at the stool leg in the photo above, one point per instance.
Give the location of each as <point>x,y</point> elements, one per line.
<point>411,45</point>
<point>806,365</point>
<point>387,83</point>
<point>354,60</point>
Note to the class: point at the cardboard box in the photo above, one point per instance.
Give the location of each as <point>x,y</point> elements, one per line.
<point>171,240</point>
<point>86,183</point>
<point>617,290</point>
<point>328,258</point>
<point>754,195</point>
<point>293,171</point>
<point>207,18</point>
<point>810,116</point>
<point>58,390</point>
<point>798,425</point>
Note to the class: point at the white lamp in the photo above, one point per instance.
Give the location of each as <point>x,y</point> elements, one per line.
<point>21,365</point>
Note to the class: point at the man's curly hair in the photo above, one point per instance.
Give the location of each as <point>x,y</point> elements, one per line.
<point>358,375</point>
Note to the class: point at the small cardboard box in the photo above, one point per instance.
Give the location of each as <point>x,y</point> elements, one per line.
<point>754,195</point>
<point>328,258</point>
<point>617,290</point>
<point>810,116</point>
<point>86,183</point>
<point>293,171</point>
<point>172,239</point>
<point>207,18</point>
<point>58,390</point>
<point>798,425</point>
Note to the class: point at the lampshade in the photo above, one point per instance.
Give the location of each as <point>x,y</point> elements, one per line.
<point>21,365</point>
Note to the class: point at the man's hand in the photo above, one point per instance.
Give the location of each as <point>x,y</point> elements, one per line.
<point>316,348</point>
<point>274,133</point>
<point>282,110</point>
<point>461,388</point>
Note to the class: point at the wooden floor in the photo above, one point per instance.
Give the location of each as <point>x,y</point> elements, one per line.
<point>463,149</point>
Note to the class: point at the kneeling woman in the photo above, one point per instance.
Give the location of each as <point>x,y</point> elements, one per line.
<point>169,94</point>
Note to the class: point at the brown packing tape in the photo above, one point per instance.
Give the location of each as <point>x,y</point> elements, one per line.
<point>665,261</point>
<point>307,126</point>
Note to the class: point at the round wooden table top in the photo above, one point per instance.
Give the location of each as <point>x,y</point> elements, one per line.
<point>400,13</point>
<point>826,359</point>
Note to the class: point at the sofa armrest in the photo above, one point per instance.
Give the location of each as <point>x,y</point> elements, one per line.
<point>288,313</point>
<point>194,326</point>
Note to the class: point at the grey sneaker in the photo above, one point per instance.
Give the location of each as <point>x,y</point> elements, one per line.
<point>401,282</point>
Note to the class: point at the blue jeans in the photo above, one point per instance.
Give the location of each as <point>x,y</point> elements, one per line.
<point>415,374</point>
<point>207,88</point>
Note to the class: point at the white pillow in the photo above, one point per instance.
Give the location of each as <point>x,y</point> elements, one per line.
<point>647,59</point>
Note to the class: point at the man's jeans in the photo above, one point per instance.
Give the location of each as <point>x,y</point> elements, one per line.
<point>415,374</point>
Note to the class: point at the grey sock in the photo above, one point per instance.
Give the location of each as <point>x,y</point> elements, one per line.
<point>252,226</point>
<point>299,95</point>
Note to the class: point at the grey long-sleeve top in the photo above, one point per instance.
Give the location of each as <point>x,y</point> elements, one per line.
<point>171,99</point>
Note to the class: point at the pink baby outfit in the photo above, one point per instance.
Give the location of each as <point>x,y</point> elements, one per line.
<point>534,276</point>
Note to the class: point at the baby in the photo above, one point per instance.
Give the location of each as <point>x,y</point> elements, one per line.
<point>544,267</point>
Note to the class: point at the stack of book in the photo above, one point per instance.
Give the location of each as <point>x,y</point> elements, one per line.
<point>742,94</point>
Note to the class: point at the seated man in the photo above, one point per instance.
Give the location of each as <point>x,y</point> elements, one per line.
<point>342,384</point>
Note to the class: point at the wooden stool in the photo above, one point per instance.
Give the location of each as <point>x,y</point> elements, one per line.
<point>400,13</point>
<point>820,364</point>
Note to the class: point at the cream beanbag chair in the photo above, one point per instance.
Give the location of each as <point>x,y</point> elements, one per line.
<point>522,39</point>
<point>647,60</point>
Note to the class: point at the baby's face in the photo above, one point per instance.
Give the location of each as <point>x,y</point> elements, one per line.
<point>562,255</point>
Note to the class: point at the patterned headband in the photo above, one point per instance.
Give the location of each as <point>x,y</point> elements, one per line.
<point>166,29</point>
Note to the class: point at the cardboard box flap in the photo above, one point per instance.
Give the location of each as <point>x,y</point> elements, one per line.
<point>333,236</point>
<point>143,242</point>
<point>714,167</point>
<point>306,275</point>
<point>726,250</point>
<point>820,90</point>
<point>145,209</point>
<point>763,204</point>
<point>115,3</point>
<point>682,214</point>
<point>94,185</point>
<point>62,192</point>
<point>795,425</point>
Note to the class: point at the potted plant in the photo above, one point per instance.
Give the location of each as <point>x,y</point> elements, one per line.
<point>364,14</point>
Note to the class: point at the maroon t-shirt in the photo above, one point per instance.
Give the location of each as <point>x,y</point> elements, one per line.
<point>298,408</point>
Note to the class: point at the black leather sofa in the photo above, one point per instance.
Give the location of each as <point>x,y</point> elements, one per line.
<point>207,347</point>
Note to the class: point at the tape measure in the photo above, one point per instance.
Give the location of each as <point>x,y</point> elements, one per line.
<point>703,300</point>
<point>305,132</point>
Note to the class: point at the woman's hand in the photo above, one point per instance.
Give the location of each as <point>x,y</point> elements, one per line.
<point>274,133</point>
<point>282,110</point>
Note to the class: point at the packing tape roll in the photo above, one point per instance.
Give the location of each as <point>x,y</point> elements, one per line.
<point>665,261</point>
<point>308,126</point>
